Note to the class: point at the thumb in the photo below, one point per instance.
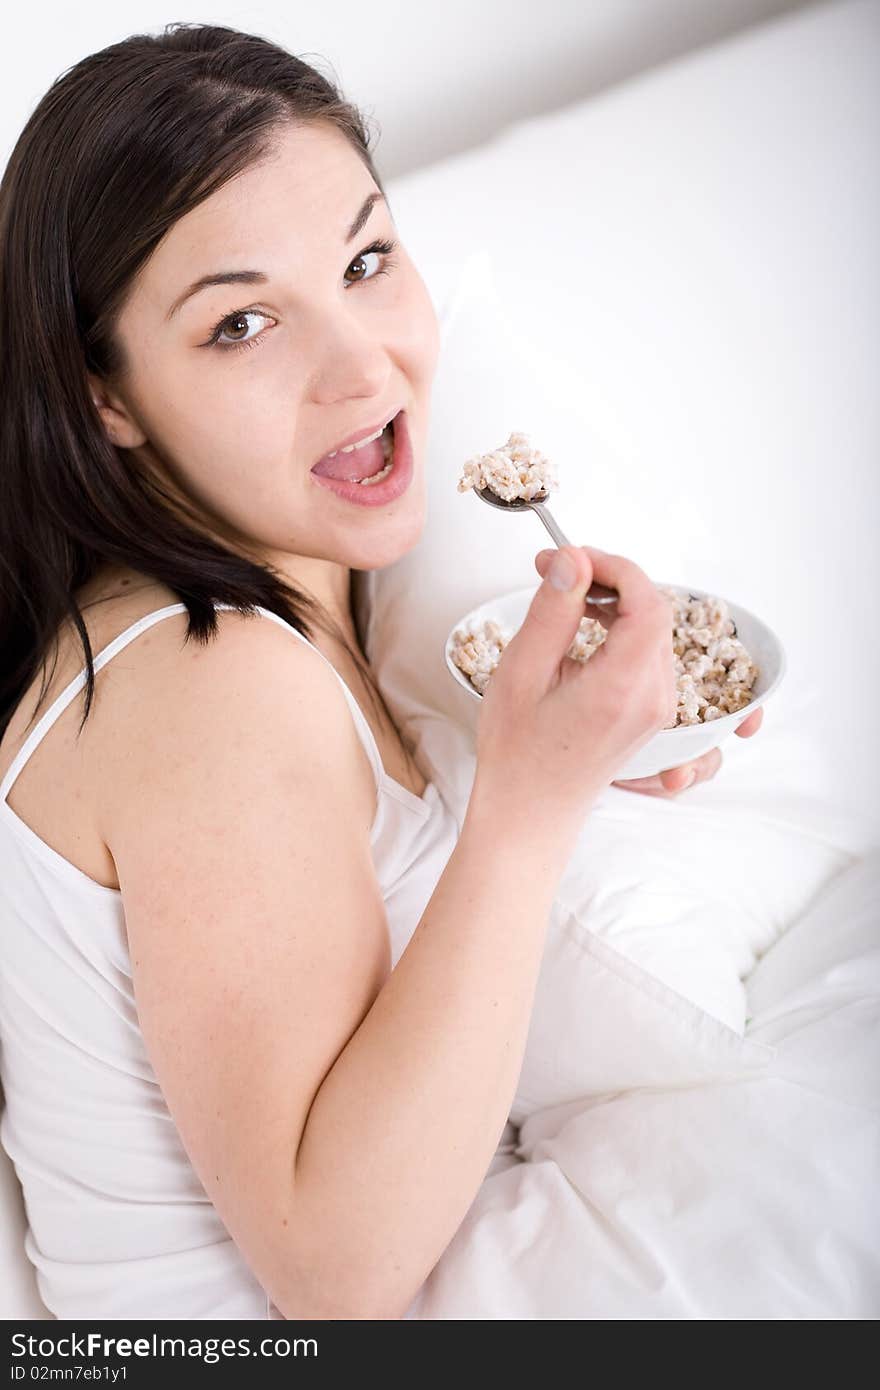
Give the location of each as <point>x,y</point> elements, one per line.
<point>553,617</point>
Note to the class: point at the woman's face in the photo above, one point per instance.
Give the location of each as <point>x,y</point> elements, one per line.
<point>324,348</point>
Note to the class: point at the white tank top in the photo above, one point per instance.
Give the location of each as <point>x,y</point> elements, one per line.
<point>119,1225</point>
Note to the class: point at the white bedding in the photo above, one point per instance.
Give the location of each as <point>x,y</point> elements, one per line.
<point>699,1094</point>
<point>746,1196</point>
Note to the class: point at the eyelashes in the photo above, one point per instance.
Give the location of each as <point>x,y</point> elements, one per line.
<point>383,248</point>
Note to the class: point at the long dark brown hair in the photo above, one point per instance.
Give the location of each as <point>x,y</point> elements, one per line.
<point>122,145</point>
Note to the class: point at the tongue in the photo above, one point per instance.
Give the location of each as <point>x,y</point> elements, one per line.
<point>360,463</point>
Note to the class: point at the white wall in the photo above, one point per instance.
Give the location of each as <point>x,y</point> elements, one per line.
<point>436,78</point>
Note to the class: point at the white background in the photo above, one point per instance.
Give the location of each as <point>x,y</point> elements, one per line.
<point>435,79</point>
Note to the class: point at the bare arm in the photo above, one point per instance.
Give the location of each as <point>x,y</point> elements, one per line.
<point>340,1116</point>
<point>404,1126</point>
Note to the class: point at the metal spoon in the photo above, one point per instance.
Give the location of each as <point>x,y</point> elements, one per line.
<point>598,594</point>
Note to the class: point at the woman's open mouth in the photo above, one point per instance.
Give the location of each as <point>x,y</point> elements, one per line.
<point>377,473</point>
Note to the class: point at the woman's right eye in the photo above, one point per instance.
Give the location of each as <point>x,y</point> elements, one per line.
<point>233,320</point>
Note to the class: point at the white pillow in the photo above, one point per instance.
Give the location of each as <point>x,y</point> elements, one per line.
<point>665,906</point>
<point>707,1200</point>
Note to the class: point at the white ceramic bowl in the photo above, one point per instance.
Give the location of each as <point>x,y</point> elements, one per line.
<point>669,747</point>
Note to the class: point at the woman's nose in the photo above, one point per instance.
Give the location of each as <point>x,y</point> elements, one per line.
<point>353,362</point>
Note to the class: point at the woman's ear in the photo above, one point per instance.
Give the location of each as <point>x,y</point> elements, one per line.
<point>119,425</point>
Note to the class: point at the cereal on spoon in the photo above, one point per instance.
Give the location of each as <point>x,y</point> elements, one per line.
<point>714,674</point>
<point>514,470</point>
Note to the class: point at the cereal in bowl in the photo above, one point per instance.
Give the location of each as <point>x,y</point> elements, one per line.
<point>714,673</point>
<point>476,650</point>
<point>516,470</point>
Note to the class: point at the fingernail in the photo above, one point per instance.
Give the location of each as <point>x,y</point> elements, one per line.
<point>691,778</point>
<point>562,572</point>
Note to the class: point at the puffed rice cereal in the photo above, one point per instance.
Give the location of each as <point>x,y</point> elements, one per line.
<point>714,673</point>
<point>477,650</point>
<point>516,470</point>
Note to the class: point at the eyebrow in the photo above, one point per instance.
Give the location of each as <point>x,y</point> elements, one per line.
<point>259,277</point>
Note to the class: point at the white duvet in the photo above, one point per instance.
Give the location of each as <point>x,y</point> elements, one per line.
<point>696,1127</point>
<point>745,1192</point>
<point>695,1132</point>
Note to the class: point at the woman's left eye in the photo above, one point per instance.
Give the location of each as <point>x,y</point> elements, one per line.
<point>382,249</point>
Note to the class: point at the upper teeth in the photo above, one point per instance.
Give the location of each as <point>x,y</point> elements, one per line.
<point>348,448</point>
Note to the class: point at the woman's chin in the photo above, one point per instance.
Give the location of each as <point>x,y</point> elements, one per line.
<point>401,533</point>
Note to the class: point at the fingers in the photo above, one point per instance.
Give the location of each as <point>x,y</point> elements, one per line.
<point>553,618</point>
<point>751,725</point>
<point>674,780</point>
<point>637,593</point>
<point>605,616</point>
<point>677,779</point>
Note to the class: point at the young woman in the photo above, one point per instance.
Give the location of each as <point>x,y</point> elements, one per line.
<point>262,1007</point>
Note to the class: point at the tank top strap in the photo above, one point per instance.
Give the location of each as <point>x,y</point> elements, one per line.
<point>59,705</point>
<point>361,723</point>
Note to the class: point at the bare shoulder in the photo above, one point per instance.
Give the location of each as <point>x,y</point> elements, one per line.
<point>252,694</point>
